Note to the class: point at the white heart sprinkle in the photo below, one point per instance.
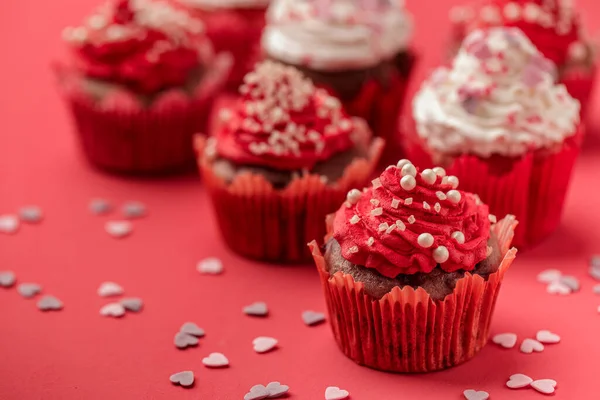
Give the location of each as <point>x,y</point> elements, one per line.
<point>184,378</point>
<point>595,273</point>
<point>134,304</point>
<point>210,266</point>
<point>546,386</point>
<point>108,289</point>
<point>7,279</point>
<point>99,206</point>
<point>134,209</point>
<point>29,290</point>
<point>571,282</point>
<point>528,346</point>
<point>471,394</point>
<point>9,224</point>
<point>518,381</point>
<point>49,303</point>
<point>112,310</point>
<point>263,344</point>
<point>276,389</point>
<point>118,229</point>
<point>257,392</point>
<point>215,360</point>
<point>258,309</point>
<point>549,276</point>
<point>335,393</point>
<point>183,340</point>
<point>596,289</point>
<point>506,340</point>
<point>31,214</point>
<point>545,336</point>
<point>558,288</point>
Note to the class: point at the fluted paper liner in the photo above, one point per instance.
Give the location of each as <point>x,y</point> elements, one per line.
<point>406,330</point>
<point>264,223</point>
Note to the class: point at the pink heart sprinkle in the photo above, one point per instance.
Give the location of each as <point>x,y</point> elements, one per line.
<point>263,344</point>
<point>545,336</point>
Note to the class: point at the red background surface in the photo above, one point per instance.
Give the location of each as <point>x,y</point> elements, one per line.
<point>77,354</point>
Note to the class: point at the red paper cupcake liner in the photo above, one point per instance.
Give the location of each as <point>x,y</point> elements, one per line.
<point>260,222</point>
<point>237,32</point>
<point>406,330</point>
<point>120,134</point>
<point>532,187</point>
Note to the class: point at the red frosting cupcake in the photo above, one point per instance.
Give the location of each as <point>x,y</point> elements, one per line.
<point>280,160</point>
<point>554,27</point>
<point>399,260</point>
<point>140,83</point>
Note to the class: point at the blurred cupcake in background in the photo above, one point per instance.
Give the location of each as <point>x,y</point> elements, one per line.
<point>281,159</point>
<point>554,27</point>
<point>498,121</point>
<point>398,262</point>
<point>234,27</point>
<point>140,82</point>
<point>357,50</point>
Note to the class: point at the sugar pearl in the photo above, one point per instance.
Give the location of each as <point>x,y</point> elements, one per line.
<point>440,254</point>
<point>453,181</point>
<point>429,176</point>
<point>458,236</point>
<point>409,170</point>
<point>353,196</point>
<point>439,171</point>
<point>402,163</point>
<point>408,182</point>
<point>355,219</point>
<point>425,240</point>
<point>454,196</point>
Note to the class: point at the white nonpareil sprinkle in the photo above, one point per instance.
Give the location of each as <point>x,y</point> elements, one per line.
<point>408,201</point>
<point>395,203</point>
<point>376,183</point>
<point>390,229</point>
<point>437,207</point>
<point>400,225</point>
<point>492,218</point>
<point>376,212</point>
<point>453,181</point>
<point>370,241</point>
<point>429,176</point>
<point>441,254</point>
<point>411,219</point>
<point>408,183</point>
<point>355,219</point>
<point>441,195</point>
<point>375,202</point>
<point>439,171</point>
<point>353,196</point>
<point>353,249</point>
<point>426,206</point>
<point>383,226</point>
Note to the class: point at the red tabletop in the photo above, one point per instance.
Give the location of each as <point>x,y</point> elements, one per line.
<point>77,354</point>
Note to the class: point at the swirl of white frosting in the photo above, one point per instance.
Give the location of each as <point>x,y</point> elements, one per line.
<point>499,97</point>
<point>217,4</point>
<point>332,35</point>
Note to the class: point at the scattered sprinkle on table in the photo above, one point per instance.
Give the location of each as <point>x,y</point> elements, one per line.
<point>264,344</point>
<point>29,290</point>
<point>215,360</point>
<point>517,381</point>
<point>192,329</point>
<point>183,378</point>
<point>7,278</point>
<point>257,309</point>
<point>183,340</point>
<point>99,206</point>
<point>545,336</point>
<point>271,391</point>
<point>108,289</point>
<point>558,287</point>
<point>335,393</point>
<point>210,266</point>
<point>49,303</point>
<point>312,318</point>
<point>546,386</point>
<point>134,304</point>
<point>549,276</point>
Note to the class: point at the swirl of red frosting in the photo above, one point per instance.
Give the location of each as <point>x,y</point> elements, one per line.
<point>411,221</point>
<point>282,121</point>
<point>144,45</point>
<point>552,25</point>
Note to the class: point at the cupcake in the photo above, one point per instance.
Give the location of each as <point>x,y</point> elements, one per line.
<point>280,160</point>
<point>140,81</point>
<point>234,27</point>
<point>358,51</point>
<point>411,269</point>
<point>554,27</point>
<point>497,120</point>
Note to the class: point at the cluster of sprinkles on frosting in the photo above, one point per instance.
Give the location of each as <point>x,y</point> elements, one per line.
<point>411,221</point>
<point>283,121</point>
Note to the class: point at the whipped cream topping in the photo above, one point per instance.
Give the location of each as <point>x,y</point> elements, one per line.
<point>499,97</point>
<point>336,34</point>
<point>216,4</point>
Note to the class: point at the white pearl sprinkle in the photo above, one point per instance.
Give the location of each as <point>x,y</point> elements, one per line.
<point>531,12</point>
<point>454,196</point>
<point>408,183</point>
<point>439,171</point>
<point>395,203</point>
<point>400,225</point>
<point>440,254</point>
<point>490,14</point>
<point>376,183</point>
<point>409,170</point>
<point>492,218</point>
<point>402,163</point>
<point>376,212</point>
<point>459,237</point>
<point>429,176</point>
<point>408,201</point>
<point>425,240</point>
<point>411,219</point>
<point>441,195</point>
<point>512,11</point>
<point>355,219</point>
<point>353,196</point>
<point>370,241</point>
<point>437,207</point>
<point>453,181</point>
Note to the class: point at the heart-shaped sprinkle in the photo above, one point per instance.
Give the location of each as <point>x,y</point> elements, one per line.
<point>115,310</point>
<point>549,276</point>
<point>7,279</point>
<point>108,289</point>
<point>9,224</point>
<point>596,289</point>
<point>276,389</point>
<point>49,303</point>
<point>335,393</point>
<point>506,340</point>
<point>528,346</point>
<point>311,318</point>
<point>263,344</point>
<point>257,392</point>
<point>192,329</point>
<point>118,229</point>
<point>99,206</point>
<point>571,282</point>
<point>215,360</point>
<point>134,209</point>
<point>29,290</point>
<point>258,309</point>
<point>518,381</point>
<point>595,272</point>
<point>471,394</point>
<point>558,288</point>
<point>31,214</point>
<point>183,340</point>
<point>134,304</point>
<point>210,266</point>
<point>595,261</point>
<point>545,336</point>
<point>183,378</point>
<point>546,386</point>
